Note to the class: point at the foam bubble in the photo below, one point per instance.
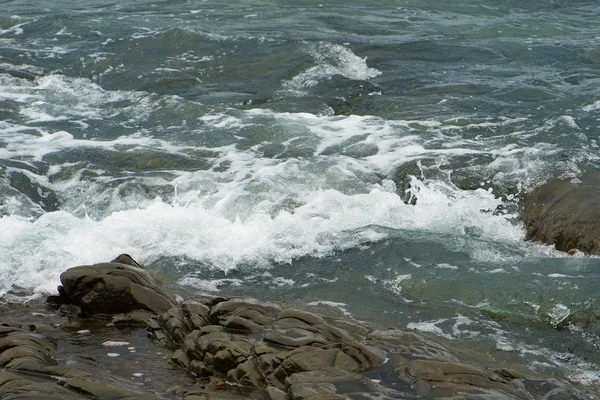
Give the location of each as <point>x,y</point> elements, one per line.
<point>112,343</point>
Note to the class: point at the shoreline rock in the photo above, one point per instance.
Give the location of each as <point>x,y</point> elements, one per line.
<point>236,348</point>
<point>565,213</point>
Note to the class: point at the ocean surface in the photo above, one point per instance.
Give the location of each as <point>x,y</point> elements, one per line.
<point>276,149</point>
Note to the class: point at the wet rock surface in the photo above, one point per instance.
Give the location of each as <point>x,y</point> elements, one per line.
<point>565,213</point>
<point>109,288</point>
<point>226,348</point>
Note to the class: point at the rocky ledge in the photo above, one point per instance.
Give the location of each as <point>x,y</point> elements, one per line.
<point>231,348</point>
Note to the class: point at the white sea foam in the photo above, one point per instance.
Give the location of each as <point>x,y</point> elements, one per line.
<point>592,107</point>
<point>230,225</point>
<point>446,266</point>
<point>256,212</point>
<point>395,285</point>
<point>208,285</point>
<point>340,306</point>
<point>331,59</point>
<point>430,326</point>
<point>113,343</point>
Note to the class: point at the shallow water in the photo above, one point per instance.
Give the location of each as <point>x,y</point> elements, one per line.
<point>254,149</point>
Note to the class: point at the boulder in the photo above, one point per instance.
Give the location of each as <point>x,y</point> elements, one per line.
<point>119,286</point>
<point>565,213</point>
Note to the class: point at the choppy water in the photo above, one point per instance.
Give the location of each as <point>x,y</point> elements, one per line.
<point>255,147</point>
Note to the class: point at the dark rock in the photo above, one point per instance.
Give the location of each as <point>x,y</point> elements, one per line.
<point>100,390</point>
<point>565,213</point>
<point>434,378</point>
<point>113,288</point>
<point>295,337</point>
<point>180,358</point>
<point>134,318</point>
<point>174,321</point>
<point>25,351</point>
<point>316,360</point>
<point>223,309</point>
<point>324,384</point>
<point>247,374</point>
<point>315,391</point>
<point>358,332</point>
<point>239,324</point>
<point>200,369</point>
<point>196,308</point>
<point>411,345</point>
<point>35,373</point>
<point>240,348</point>
<point>275,393</point>
<point>366,356</point>
<point>305,316</point>
<point>13,386</point>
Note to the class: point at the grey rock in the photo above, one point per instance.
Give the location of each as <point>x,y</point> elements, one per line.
<point>366,356</point>
<point>453,377</point>
<point>236,323</point>
<point>113,288</point>
<point>295,337</point>
<point>224,308</point>
<point>329,382</point>
<point>305,316</point>
<point>313,391</point>
<point>316,360</point>
<point>100,390</point>
<point>255,316</point>
<point>197,308</point>
<point>174,321</point>
<point>275,393</point>
<point>13,386</point>
<point>180,358</point>
<point>410,344</point>
<point>199,369</point>
<point>247,374</point>
<point>134,318</point>
<point>263,348</point>
<point>358,332</point>
<point>565,213</point>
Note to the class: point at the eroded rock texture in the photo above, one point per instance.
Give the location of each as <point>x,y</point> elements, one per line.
<point>119,286</point>
<point>296,354</point>
<point>230,348</point>
<point>29,370</point>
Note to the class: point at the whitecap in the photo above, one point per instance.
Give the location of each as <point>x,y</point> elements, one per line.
<point>331,59</point>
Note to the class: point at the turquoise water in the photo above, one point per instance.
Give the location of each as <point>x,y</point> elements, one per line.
<point>265,148</point>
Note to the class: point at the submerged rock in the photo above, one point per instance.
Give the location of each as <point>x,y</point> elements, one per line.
<point>565,213</point>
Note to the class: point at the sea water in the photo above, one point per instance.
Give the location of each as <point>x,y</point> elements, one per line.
<point>258,148</point>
